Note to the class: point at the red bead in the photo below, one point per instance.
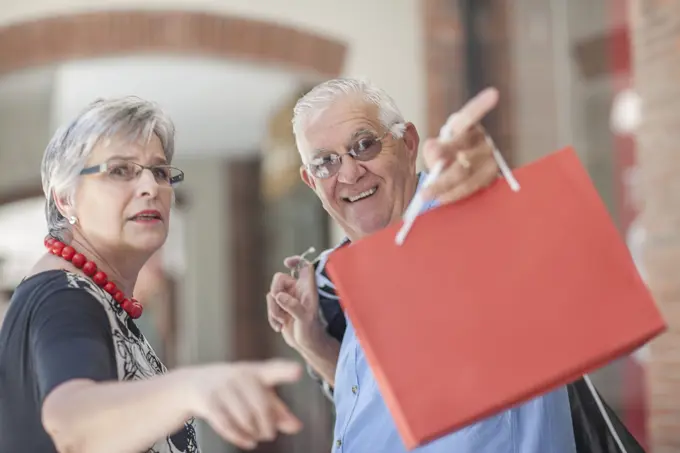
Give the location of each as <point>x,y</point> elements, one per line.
<point>100,278</point>
<point>68,252</point>
<point>78,260</point>
<point>131,306</point>
<point>135,310</point>
<point>57,247</point>
<point>89,268</point>
<point>110,287</point>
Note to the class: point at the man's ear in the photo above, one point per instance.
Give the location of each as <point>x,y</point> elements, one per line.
<point>411,140</point>
<point>307,178</point>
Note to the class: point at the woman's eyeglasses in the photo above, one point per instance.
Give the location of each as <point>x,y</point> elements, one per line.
<point>364,149</point>
<point>124,170</point>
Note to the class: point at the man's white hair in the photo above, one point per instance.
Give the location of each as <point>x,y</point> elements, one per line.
<point>319,98</point>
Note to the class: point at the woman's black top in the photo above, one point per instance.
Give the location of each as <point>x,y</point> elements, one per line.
<point>61,326</point>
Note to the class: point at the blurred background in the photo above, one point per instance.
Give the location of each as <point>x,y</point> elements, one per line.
<point>600,75</point>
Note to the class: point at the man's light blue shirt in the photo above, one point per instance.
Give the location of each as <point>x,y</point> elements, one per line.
<point>364,424</point>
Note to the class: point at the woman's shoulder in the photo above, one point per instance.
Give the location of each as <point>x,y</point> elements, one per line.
<point>46,282</point>
<point>51,306</point>
<point>45,288</point>
<point>39,285</point>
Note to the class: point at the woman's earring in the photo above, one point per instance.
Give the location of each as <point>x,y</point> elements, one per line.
<point>73,220</point>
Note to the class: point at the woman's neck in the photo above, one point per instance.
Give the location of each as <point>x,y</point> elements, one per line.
<point>121,268</point>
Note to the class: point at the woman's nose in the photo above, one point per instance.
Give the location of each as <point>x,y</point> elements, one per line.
<point>147,184</point>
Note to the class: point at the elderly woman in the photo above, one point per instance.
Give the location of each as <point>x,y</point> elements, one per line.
<point>76,374</point>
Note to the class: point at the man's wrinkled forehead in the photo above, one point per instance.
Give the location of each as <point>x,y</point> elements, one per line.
<point>338,125</point>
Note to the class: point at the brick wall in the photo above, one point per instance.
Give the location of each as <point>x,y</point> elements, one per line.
<point>444,61</point>
<point>450,81</point>
<point>655,40</point>
<point>492,26</point>
<point>103,34</point>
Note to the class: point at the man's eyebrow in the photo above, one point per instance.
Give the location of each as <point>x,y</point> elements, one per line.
<point>356,134</point>
<point>317,152</point>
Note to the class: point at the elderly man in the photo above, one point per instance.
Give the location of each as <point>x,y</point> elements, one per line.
<point>359,156</point>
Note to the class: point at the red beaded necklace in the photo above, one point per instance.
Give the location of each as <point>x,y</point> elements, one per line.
<point>89,268</point>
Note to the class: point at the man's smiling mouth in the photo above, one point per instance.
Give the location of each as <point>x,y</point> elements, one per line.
<point>362,195</point>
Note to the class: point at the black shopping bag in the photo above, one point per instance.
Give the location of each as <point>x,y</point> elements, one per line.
<point>597,429</point>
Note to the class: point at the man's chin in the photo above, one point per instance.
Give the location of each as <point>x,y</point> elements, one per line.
<point>367,225</point>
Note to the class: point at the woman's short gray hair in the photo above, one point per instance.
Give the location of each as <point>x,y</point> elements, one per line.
<point>66,154</point>
<point>319,98</point>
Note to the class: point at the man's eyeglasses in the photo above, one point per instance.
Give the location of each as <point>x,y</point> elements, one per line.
<point>364,149</point>
<point>124,170</point>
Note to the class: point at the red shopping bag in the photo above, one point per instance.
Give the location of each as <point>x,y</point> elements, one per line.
<point>494,300</point>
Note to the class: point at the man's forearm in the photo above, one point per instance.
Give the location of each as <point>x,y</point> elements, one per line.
<point>323,358</point>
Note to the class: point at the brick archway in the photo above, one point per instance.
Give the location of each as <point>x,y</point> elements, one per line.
<point>54,40</point>
<point>111,33</point>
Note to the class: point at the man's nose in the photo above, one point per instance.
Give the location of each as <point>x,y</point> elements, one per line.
<point>350,170</point>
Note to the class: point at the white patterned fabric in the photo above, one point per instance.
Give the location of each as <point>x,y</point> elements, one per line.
<point>136,360</point>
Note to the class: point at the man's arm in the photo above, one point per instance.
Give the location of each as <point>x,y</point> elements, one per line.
<point>323,360</point>
<point>322,367</point>
<point>306,310</point>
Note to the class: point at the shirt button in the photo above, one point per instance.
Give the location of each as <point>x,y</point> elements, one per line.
<point>355,389</point>
<point>338,443</point>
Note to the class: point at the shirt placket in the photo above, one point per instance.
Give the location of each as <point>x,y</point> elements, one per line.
<point>353,383</point>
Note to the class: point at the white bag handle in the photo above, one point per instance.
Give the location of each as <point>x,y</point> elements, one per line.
<point>604,413</point>
<point>503,166</point>
<point>417,204</point>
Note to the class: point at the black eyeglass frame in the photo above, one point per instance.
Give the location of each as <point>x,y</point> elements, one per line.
<point>352,153</point>
<point>102,168</point>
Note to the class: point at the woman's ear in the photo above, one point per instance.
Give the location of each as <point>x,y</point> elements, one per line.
<point>63,205</point>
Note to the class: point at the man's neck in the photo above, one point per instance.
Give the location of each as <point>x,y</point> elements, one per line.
<point>412,190</point>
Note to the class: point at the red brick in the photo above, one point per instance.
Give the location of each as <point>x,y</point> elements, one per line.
<point>655,35</point>
<point>102,34</point>
<point>445,66</point>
